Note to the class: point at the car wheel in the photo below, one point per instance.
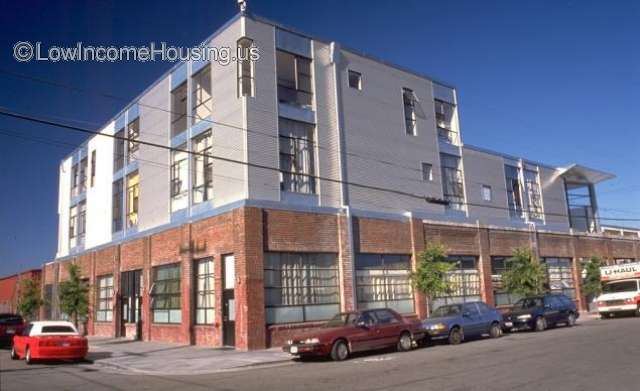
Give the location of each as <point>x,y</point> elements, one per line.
<point>339,351</point>
<point>571,320</point>
<point>455,336</point>
<point>405,342</point>
<point>541,323</point>
<point>495,331</point>
<point>27,357</point>
<point>14,354</point>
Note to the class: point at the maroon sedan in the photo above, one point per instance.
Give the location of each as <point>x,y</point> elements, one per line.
<point>358,331</point>
<point>10,325</point>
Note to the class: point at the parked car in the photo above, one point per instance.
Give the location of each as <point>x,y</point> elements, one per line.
<point>49,340</point>
<point>10,325</point>
<point>455,322</point>
<point>619,297</point>
<point>351,332</point>
<point>540,312</point>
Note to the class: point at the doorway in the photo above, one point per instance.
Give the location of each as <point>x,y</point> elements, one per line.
<point>228,300</point>
<point>130,303</point>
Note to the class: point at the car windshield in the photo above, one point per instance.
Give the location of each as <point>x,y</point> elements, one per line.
<point>447,310</point>
<point>341,320</point>
<point>10,319</point>
<point>616,287</point>
<point>528,303</point>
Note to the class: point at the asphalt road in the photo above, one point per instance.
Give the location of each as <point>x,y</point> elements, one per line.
<point>594,355</point>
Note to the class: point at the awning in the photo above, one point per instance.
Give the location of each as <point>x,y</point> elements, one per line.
<point>578,173</point>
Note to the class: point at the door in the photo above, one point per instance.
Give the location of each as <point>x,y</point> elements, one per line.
<point>552,310</point>
<point>364,337</point>
<point>228,301</point>
<point>130,302</point>
<point>473,322</point>
<point>389,328</point>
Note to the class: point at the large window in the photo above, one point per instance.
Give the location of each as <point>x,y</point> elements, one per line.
<point>202,172</point>
<point>534,207</point>
<point>245,68</point>
<point>179,178</point>
<point>444,121</point>
<point>383,281</point>
<point>133,130</point>
<point>82,173</point>
<point>104,307</point>
<point>409,103</point>
<point>93,168</point>
<point>133,197</point>
<point>581,211</point>
<point>166,294</point>
<point>73,222</point>
<point>452,186</point>
<point>205,297</point>
<point>300,287</point>
<point>201,94</point>
<point>500,265</point>
<point>118,150</point>
<point>179,109</point>
<point>297,156</point>
<point>116,205</point>
<point>75,179</point>
<point>560,275</point>
<point>77,224</point>
<point>514,192</point>
<point>464,280</point>
<point>294,79</point>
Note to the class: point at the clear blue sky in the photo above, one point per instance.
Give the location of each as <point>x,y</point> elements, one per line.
<point>552,81</point>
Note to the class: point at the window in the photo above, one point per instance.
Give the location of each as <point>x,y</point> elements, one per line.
<point>409,101</point>
<point>77,224</point>
<point>73,220</point>
<point>297,163</point>
<point>499,265</point>
<point>581,210</point>
<point>93,168</point>
<point>294,79</point>
<point>464,280</point>
<point>300,287</point>
<point>82,174</point>
<point>133,194</point>
<point>179,178</point>
<point>82,219</point>
<point>355,80</point>
<point>514,194</point>
<point>452,187</point>
<point>444,121</point>
<point>104,309</point>
<point>427,172</point>
<point>383,281</point>
<point>133,135</point>
<point>75,179</point>
<point>116,205</point>
<point>118,150</point>
<point>386,317</point>
<point>179,109</point>
<point>245,68</point>
<point>205,298</point>
<point>201,94</point>
<point>560,275</point>
<point>202,173</point>
<point>486,193</point>
<point>534,207</point>
<point>57,329</point>
<point>165,294</point>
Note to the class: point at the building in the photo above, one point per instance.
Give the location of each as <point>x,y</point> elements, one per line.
<point>10,289</point>
<point>296,186</point>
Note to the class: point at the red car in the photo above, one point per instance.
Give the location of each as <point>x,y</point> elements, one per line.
<point>358,331</point>
<point>49,340</point>
<point>10,325</point>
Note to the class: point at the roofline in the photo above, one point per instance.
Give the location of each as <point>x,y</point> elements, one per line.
<point>507,156</point>
<point>20,273</point>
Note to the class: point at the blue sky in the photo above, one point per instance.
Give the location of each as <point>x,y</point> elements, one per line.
<point>552,81</point>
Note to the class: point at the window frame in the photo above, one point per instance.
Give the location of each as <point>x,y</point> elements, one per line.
<point>154,295</point>
<point>209,291</point>
<point>409,110</point>
<point>176,181</point>
<point>92,180</point>
<point>456,199</point>
<point>107,299</point>
<point>133,135</point>
<point>386,278</point>
<point>486,190</point>
<point>294,179</point>
<point>132,200</point>
<point>176,115</point>
<point>358,75</point>
<point>202,164</point>
<point>429,171</point>
<point>117,205</point>
<point>119,150</point>
<point>245,65</point>
<point>299,73</point>
<point>197,91</point>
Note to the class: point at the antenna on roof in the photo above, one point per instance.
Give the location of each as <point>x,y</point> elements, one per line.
<point>243,5</point>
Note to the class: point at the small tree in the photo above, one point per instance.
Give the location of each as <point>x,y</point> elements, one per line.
<point>29,300</point>
<point>74,295</point>
<point>430,276</point>
<point>525,276</point>
<point>591,284</point>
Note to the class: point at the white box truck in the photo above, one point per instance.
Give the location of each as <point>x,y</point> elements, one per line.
<point>621,291</point>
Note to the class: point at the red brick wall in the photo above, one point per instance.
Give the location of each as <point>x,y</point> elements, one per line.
<point>587,247</point>
<point>165,247</point>
<point>383,236</point>
<point>555,245</point>
<point>504,242</point>
<point>295,231</point>
<point>456,240</point>
<point>622,249</point>
<point>132,255</point>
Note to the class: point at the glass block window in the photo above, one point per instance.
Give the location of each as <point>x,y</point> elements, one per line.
<point>560,275</point>
<point>166,294</point>
<point>205,294</point>
<point>383,281</point>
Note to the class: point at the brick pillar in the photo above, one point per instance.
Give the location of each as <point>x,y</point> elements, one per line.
<point>249,286</point>
<point>186,260</point>
<point>55,301</point>
<point>93,291</point>
<point>145,313</point>
<point>484,266</point>
<point>577,277</point>
<point>417,246</point>
<point>115,321</point>
<point>345,263</point>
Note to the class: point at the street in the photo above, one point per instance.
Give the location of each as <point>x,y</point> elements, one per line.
<point>594,355</point>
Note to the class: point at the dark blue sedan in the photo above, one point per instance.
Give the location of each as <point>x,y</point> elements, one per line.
<point>455,322</point>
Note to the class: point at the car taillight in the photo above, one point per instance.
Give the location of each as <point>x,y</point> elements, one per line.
<point>47,342</point>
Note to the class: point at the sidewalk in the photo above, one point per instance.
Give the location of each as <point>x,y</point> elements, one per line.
<point>154,358</point>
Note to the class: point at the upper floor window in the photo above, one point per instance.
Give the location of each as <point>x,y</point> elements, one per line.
<point>75,179</point>
<point>409,101</point>
<point>93,168</point>
<point>486,193</point>
<point>118,150</point>
<point>202,172</point>
<point>427,172</point>
<point>444,121</point>
<point>534,207</point>
<point>116,205</point>
<point>77,224</point>
<point>201,95</point>
<point>580,203</point>
<point>133,134</point>
<point>179,109</point>
<point>179,178</point>
<point>245,68</point>
<point>294,79</point>
<point>514,191</point>
<point>355,80</point>
<point>297,163</point>
<point>82,185</point>
<point>452,181</point>
<point>133,195</point>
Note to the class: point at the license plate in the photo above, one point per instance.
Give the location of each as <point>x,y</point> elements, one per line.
<point>508,324</point>
<point>615,309</point>
<point>11,331</point>
<point>64,344</point>
<point>293,349</point>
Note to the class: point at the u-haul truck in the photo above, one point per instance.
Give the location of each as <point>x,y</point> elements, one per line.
<point>621,291</point>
